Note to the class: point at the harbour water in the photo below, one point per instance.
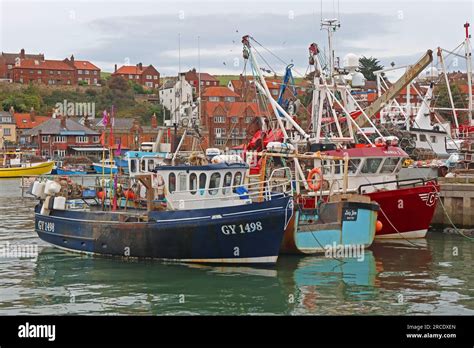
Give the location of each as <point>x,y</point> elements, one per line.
<point>431,276</point>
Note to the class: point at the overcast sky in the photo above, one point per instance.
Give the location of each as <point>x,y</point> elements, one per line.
<point>128,32</point>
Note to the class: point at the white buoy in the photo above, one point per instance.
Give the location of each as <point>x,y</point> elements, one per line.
<point>59,203</point>
<point>52,187</point>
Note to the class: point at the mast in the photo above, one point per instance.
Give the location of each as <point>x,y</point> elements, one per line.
<point>467,47</point>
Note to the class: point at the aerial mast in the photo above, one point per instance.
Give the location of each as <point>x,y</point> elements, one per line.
<point>467,47</point>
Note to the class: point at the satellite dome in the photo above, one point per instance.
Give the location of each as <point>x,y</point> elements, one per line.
<point>351,61</point>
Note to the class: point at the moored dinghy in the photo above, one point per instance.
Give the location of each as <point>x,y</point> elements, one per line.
<point>209,217</point>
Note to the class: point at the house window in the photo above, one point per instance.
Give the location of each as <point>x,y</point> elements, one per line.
<point>149,84</point>
<point>219,142</point>
<point>95,138</point>
<point>82,139</point>
<point>44,152</point>
<point>234,119</point>
<point>51,72</point>
<point>207,83</point>
<point>59,73</point>
<point>213,99</point>
<point>60,153</point>
<point>7,132</point>
<point>137,77</point>
<point>86,72</point>
<point>229,99</point>
<point>10,66</point>
<point>155,77</point>
<point>148,77</point>
<point>59,139</point>
<point>79,71</point>
<point>248,119</point>
<point>45,138</point>
<point>235,142</point>
<point>219,119</point>
<point>95,72</point>
<point>235,131</point>
<point>130,76</point>
<point>39,72</point>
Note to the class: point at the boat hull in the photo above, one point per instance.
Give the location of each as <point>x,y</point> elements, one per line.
<point>406,212</point>
<point>34,169</point>
<point>245,234</point>
<point>106,170</point>
<point>343,224</point>
<point>60,171</point>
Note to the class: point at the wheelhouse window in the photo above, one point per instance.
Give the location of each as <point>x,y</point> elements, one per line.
<point>202,182</point>
<point>389,165</point>
<point>227,183</point>
<point>353,165</point>
<point>214,183</point>
<point>423,138</point>
<point>133,165</point>
<point>182,181</point>
<point>371,165</point>
<point>237,180</point>
<point>172,182</point>
<point>193,183</point>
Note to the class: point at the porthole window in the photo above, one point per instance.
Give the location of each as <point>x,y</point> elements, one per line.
<point>227,183</point>
<point>214,183</point>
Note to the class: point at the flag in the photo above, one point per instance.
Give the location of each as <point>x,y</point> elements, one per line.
<point>102,139</point>
<point>111,140</point>
<point>112,117</point>
<point>105,118</point>
<point>119,149</point>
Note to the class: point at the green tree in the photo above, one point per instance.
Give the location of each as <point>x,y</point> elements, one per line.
<point>367,66</point>
<point>442,101</point>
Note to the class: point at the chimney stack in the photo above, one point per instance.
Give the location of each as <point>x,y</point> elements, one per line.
<point>72,58</point>
<point>22,53</point>
<point>32,115</point>
<point>140,66</point>
<point>115,68</point>
<point>12,110</point>
<point>63,121</point>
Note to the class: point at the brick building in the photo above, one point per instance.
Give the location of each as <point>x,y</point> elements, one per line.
<point>8,61</point>
<point>229,124</point>
<point>60,137</point>
<point>85,71</point>
<point>207,80</point>
<point>147,76</point>
<point>25,122</point>
<point>49,72</point>
<point>216,94</point>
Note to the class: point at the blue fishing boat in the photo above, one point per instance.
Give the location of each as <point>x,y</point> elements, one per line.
<point>201,214</point>
<point>105,167</point>
<point>61,171</point>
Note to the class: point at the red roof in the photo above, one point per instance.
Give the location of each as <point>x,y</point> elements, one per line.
<point>84,65</point>
<point>218,91</point>
<point>129,70</point>
<point>44,64</point>
<point>23,121</point>
<point>465,89</point>
<point>233,109</point>
<point>194,76</point>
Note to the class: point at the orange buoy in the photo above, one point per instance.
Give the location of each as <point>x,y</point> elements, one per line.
<point>100,195</point>
<point>315,172</point>
<point>378,226</point>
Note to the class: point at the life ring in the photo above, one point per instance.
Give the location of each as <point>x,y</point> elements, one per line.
<point>311,175</point>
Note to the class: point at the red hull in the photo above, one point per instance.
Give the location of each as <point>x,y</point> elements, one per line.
<point>404,212</point>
